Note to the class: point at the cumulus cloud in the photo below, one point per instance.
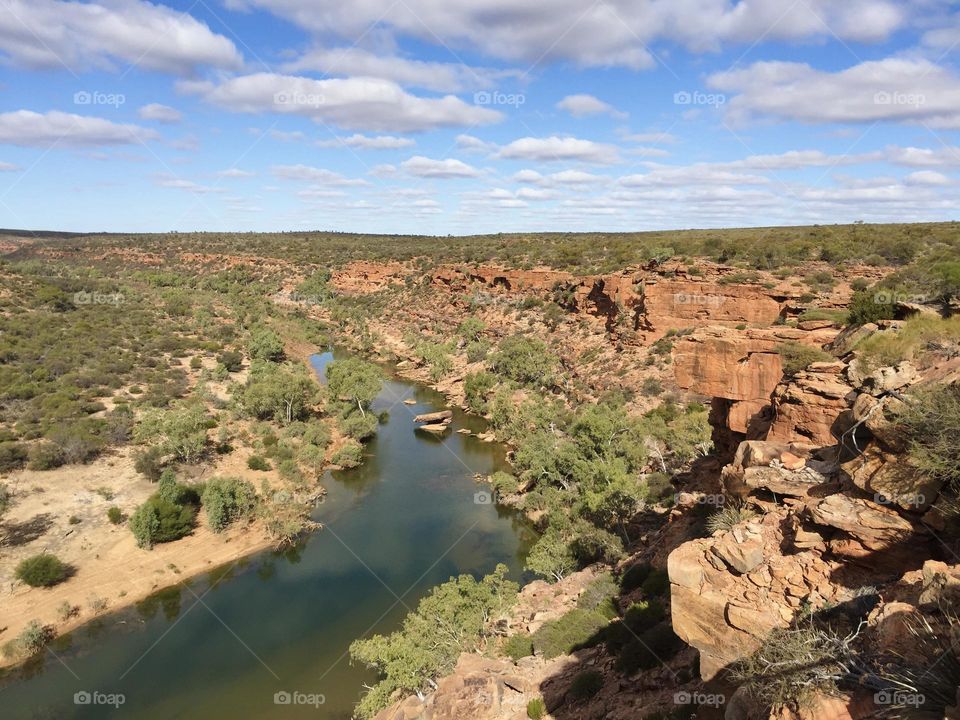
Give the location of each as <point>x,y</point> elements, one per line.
<point>236,173</point>
<point>315,175</point>
<point>617,32</point>
<point>942,156</point>
<point>9,167</point>
<point>690,175</point>
<point>357,62</point>
<point>894,89</point>
<point>32,129</point>
<point>583,105</point>
<point>187,185</point>
<point>927,177</point>
<point>109,34</point>
<point>469,143</point>
<point>352,103</point>
<point>160,113</point>
<point>448,168</point>
<point>555,148</point>
<point>366,142</point>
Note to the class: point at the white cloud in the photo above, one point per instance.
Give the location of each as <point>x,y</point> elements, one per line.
<point>448,168</point>
<point>357,62</point>
<point>83,35</point>
<point>559,149</point>
<point>160,113</point>
<point>469,143</point>
<point>943,156</point>
<point>927,177</point>
<point>657,138</point>
<point>366,142</point>
<point>188,185</point>
<point>59,129</point>
<point>564,177</point>
<point>617,32</point>
<point>236,173</point>
<point>894,89</point>
<point>582,105</point>
<point>689,176</point>
<point>315,175</point>
<point>9,167</point>
<point>795,159</point>
<point>353,103</point>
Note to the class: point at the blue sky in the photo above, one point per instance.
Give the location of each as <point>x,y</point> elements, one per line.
<point>463,116</point>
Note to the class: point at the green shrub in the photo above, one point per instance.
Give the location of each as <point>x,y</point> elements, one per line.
<point>265,344</point>
<point>148,463</point>
<point>45,456</point>
<point>5,498</point>
<point>158,520</point>
<point>518,646</point>
<point>536,709</point>
<point>255,462</point>
<point>585,685</point>
<point>526,360</point>
<point>30,642</point>
<point>477,350</point>
<point>115,515</point>
<point>796,356</point>
<point>568,633</point>
<point>227,500</point>
<point>12,456</point>
<point>651,387</point>
<point>359,426</point>
<point>930,421</point>
<point>870,306</point>
<point>476,388</point>
<point>350,455</point>
<point>41,570</point>
<point>231,360</point>
<point>503,483</point>
<point>599,596</point>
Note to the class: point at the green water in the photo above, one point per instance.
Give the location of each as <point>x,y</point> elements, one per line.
<point>223,645</point>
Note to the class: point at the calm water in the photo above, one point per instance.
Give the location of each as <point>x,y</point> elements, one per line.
<point>223,645</point>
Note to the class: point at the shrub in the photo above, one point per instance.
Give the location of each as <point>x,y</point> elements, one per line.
<point>525,360</point>
<point>359,426</point>
<point>31,641</point>
<point>12,456</point>
<point>536,709</point>
<point>503,483</point>
<point>930,421</point>
<point>643,615</point>
<point>265,344</point>
<point>41,570</point>
<point>796,356</point>
<point>350,455</point>
<point>518,646</point>
<point>231,360</point>
<point>600,596</point>
<point>158,520</point>
<point>227,500</point>
<point>865,307</point>
<point>45,456</point>
<point>651,387</point>
<point>148,463</point>
<point>476,387</point>
<point>255,462</point>
<point>585,685</point>
<point>477,350</point>
<point>568,633</point>
<point>115,515</point>
<point>729,515</point>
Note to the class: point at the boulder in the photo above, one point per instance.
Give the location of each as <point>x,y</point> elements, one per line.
<point>892,479</point>
<point>806,407</point>
<point>435,417</point>
<point>887,379</point>
<point>876,526</point>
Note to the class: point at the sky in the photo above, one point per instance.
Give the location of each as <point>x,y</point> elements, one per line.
<point>476,116</point>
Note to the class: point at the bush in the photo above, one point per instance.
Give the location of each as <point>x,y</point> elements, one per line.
<point>31,641</point>
<point>12,456</point>
<point>585,685</point>
<point>5,498</point>
<point>227,500</point>
<point>350,455</point>
<point>865,308</point>
<point>231,360</point>
<point>115,515</point>
<point>45,456</point>
<point>518,646</point>
<point>41,570</point>
<point>158,520</point>
<point>651,387</point>
<point>477,350</point>
<point>525,360</point>
<point>536,709</point>
<point>796,356</point>
<point>359,426</point>
<point>568,633</point>
<point>728,516</point>
<point>476,387</point>
<point>930,421</point>
<point>255,462</point>
<point>148,463</point>
<point>265,345</point>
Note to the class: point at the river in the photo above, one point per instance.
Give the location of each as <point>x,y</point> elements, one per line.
<point>224,645</point>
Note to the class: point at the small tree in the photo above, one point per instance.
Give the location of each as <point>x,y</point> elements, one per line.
<point>280,392</point>
<point>227,500</point>
<point>159,520</point>
<point>551,556</point>
<point>41,570</point>
<point>355,381</point>
<point>265,344</point>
